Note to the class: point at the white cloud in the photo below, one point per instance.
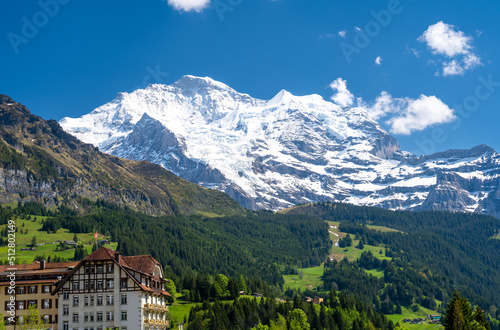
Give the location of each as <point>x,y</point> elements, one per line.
<point>378,60</point>
<point>342,95</point>
<point>420,114</point>
<point>443,39</point>
<point>357,28</point>
<point>412,50</point>
<point>453,68</point>
<point>188,5</point>
<point>343,33</point>
<point>471,61</point>
<point>403,115</point>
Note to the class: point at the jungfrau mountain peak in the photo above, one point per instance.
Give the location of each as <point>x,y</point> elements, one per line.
<point>284,151</point>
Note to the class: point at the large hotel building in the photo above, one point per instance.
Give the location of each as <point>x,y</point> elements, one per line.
<point>104,290</point>
<point>107,290</point>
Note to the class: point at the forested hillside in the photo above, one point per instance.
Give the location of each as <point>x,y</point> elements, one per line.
<point>435,253</point>
<point>256,245</point>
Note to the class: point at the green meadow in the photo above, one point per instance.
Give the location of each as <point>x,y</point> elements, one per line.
<point>27,228</point>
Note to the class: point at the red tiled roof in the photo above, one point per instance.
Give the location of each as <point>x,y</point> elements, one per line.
<point>34,268</point>
<point>144,263</point>
<point>101,254</point>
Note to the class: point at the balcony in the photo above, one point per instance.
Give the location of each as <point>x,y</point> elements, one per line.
<point>156,307</point>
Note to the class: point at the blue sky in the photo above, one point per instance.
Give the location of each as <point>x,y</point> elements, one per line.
<point>437,64</point>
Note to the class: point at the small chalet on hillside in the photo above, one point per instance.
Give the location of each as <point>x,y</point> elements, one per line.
<point>107,290</point>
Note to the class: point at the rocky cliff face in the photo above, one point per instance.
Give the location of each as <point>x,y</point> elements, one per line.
<point>284,151</point>
<point>39,161</point>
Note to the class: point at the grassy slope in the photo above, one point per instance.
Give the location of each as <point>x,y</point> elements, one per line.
<point>422,312</point>
<point>311,277</point>
<point>34,229</point>
<point>351,252</point>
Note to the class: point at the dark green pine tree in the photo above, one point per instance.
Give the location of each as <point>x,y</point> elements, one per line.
<point>479,319</point>
<point>398,310</point>
<point>458,314</point>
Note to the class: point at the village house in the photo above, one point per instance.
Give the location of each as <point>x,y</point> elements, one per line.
<point>33,285</point>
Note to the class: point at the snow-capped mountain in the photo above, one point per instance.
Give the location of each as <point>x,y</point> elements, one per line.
<point>284,151</point>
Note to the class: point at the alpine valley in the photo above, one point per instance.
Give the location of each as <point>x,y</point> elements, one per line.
<point>285,151</point>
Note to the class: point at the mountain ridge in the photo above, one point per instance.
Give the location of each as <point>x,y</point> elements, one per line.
<point>272,154</point>
<point>42,162</point>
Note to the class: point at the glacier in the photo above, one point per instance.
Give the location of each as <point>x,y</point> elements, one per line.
<point>272,154</point>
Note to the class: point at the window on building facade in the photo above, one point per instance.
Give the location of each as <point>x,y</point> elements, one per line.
<point>124,299</point>
<point>75,301</point>
<point>20,305</point>
<point>110,268</point>
<point>99,300</point>
<point>46,289</point>
<point>65,309</point>
<point>32,303</point>
<point>76,285</point>
<point>65,325</point>
<point>99,284</point>
<point>124,315</point>
<point>110,299</point>
<point>86,285</point>
<point>46,304</point>
<point>65,294</point>
<point>99,269</point>
<point>109,284</point>
<point>99,316</point>
<point>91,316</point>
<point>92,300</point>
<point>20,290</point>
<point>85,300</point>
<point>92,284</point>
<point>46,319</point>
<point>32,289</point>
<point>109,316</point>
<point>75,317</point>
<point>123,283</point>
